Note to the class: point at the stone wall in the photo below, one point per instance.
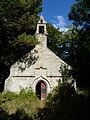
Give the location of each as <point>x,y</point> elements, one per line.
<point>40,64</point>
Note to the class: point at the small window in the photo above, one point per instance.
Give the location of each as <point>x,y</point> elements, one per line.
<point>41,29</point>
<point>41,21</point>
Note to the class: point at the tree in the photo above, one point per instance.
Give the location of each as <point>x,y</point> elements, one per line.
<point>80,12</point>
<point>18,20</point>
<point>55,38</point>
<point>17,17</point>
<point>69,42</point>
<point>80,15</point>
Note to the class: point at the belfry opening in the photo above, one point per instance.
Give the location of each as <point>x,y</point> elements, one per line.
<point>41,29</point>
<point>41,89</point>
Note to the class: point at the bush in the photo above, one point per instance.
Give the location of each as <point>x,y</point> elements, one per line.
<point>25,102</point>
<point>62,104</point>
<point>65,104</point>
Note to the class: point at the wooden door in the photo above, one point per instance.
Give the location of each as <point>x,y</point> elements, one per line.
<point>41,90</point>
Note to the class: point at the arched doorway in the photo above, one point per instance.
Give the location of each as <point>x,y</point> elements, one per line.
<point>41,89</point>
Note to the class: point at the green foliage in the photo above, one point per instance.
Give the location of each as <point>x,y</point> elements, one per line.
<point>71,35</point>
<point>62,103</point>
<point>55,38</point>
<point>65,104</point>
<point>65,71</point>
<point>69,46</point>
<point>80,57</point>
<point>28,40</point>
<point>16,18</point>
<point>79,12</point>
<point>19,115</point>
<point>19,105</point>
<point>20,15</point>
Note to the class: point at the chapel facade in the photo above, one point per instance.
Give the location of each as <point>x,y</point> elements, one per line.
<point>38,70</point>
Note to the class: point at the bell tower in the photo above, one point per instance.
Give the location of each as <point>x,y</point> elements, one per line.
<point>41,32</point>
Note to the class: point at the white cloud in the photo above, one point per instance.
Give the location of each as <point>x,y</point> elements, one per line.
<point>59,22</point>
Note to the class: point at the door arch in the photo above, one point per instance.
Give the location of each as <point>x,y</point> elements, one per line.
<point>41,89</point>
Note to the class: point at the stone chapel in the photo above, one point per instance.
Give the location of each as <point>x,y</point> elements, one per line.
<point>37,70</point>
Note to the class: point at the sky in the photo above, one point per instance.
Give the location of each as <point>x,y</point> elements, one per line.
<point>56,12</point>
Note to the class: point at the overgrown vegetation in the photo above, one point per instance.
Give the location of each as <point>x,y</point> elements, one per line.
<point>63,103</point>
<point>22,106</point>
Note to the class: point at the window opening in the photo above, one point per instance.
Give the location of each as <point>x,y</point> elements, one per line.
<point>41,29</point>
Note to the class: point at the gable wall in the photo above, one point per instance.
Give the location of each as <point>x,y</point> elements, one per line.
<point>40,64</point>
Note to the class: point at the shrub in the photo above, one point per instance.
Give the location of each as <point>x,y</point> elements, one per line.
<point>26,101</point>
<point>65,104</point>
